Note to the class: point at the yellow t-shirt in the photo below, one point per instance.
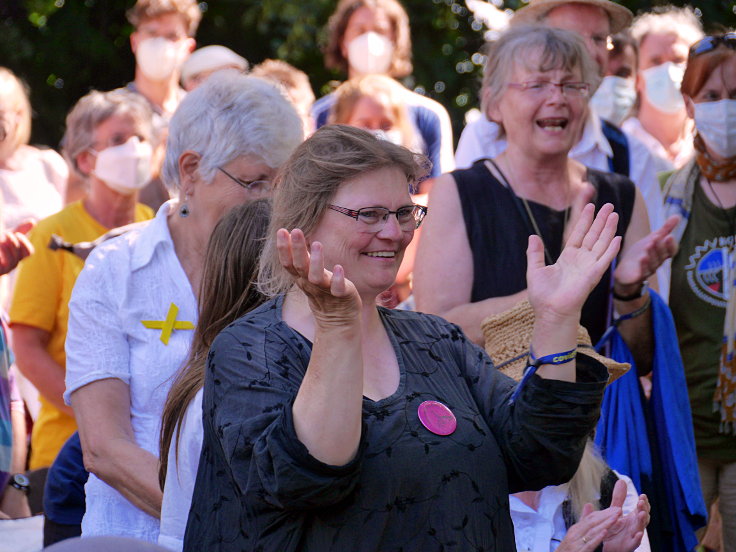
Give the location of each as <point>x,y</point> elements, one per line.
<point>41,300</point>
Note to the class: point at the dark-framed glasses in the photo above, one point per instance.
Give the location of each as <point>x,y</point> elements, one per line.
<point>255,186</point>
<point>710,43</point>
<point>409,216</point>
<point>543,88</point>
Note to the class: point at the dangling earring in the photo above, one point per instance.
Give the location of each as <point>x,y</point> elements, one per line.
<point>184,209</point>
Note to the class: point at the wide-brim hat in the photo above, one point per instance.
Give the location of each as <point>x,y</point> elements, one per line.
<point>508,336</point>
<point>535,10</point>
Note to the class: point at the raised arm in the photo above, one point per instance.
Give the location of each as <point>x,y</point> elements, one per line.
<point>443,271</point>
<point>328,407</point>
<point>557,292</point>
<point>642,254</point>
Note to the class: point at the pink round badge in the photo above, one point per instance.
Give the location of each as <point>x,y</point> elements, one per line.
<point>437,418</point>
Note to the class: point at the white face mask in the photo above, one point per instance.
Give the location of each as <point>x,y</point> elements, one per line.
<point>158,58</point>
<point>125,168</point>
<point>370,53</point>
<point>614,99</point>
<point>662,86</point>
<point>716,124</point>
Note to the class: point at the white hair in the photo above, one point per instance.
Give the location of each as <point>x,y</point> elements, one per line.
<point>668,20</point>
<point>229,116</point>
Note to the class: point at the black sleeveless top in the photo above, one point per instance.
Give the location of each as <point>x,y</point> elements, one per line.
<point>498,233</point>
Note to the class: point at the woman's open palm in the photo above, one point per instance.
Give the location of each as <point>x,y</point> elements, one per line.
<point>563,287</point>
<point>332,297</point>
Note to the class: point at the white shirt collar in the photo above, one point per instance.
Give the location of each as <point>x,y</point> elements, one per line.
<point>593,137</point>
<point>152,236</point>
<point>550,499</point>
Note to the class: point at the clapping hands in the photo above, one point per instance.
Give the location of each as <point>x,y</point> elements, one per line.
<point>617,532</point>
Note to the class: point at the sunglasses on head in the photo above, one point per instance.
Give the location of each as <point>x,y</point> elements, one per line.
<point>710,43</point>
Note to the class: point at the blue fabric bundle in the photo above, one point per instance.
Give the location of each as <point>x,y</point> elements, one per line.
<point>622,434</point>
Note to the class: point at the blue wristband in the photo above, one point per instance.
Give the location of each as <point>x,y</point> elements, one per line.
<point>553,359</point>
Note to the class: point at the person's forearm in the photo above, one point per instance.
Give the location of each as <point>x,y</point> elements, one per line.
<point>553,335</point>
<point>15,503</point>
<point>46,375</point>
<point>328,407</point>
<point>637,333</point>
<point>470,315</point>
<point>130,470</point>
<point>20,444</point>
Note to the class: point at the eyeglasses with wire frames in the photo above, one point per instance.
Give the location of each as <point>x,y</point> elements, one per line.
<point>710,43</point>
<point>256,186</point>
<point>543,88</point>
<point>409,216</point>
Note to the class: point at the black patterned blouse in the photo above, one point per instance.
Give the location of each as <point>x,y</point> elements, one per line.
<point>408,489</point>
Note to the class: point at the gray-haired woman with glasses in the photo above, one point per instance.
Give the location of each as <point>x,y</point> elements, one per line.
<point>134,306</point>
<point>331,424</point>
<point>471,261</point>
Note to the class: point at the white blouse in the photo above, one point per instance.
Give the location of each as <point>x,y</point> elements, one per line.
<point>124,324</point>
<point>181,473</point>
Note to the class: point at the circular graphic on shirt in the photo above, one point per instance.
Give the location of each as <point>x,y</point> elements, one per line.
<point>705,272</point>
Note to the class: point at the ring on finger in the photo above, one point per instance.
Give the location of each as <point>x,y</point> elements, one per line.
<point>585,539</point>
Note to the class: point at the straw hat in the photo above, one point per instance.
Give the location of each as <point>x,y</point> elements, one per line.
<point>535,10</point>
<point>509,334</point>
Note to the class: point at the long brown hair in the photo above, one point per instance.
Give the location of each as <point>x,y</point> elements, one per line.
<point>227,292</point>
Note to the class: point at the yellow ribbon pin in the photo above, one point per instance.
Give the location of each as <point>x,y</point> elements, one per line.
<point>169,325</point>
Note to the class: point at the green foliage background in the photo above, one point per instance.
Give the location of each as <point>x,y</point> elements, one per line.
<point>64,48</point>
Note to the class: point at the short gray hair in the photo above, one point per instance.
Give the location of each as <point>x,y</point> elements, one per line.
<point>557,48</point>
<point>94,109</point>
<point>229,116</point>
<point>668,20</point>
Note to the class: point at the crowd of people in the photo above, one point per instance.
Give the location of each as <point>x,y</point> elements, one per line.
<point>242,319</point>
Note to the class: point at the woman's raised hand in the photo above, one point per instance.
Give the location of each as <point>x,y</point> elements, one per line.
<point>559,290</point>
<point>332,297</point>
<point>641,260</point>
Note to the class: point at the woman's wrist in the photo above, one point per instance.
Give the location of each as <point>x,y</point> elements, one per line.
<point>553,334</point>
<point>629,292</point>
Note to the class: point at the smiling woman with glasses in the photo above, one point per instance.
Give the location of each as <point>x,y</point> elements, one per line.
<point>472,261</point>
<point>330,421</point>
<point>535,87</point>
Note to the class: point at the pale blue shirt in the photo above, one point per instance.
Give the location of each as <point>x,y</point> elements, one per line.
<point>125,281</point>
